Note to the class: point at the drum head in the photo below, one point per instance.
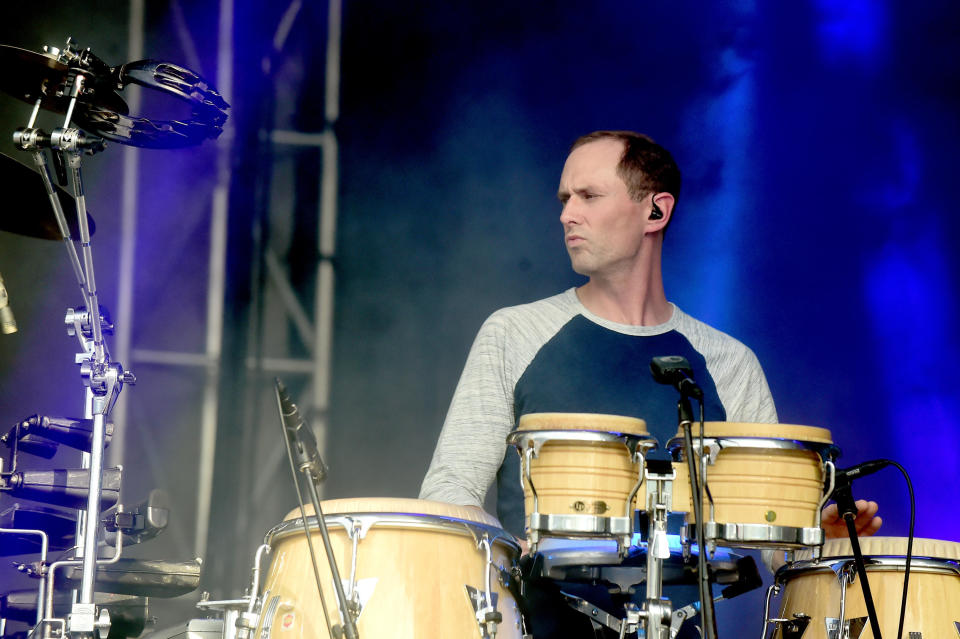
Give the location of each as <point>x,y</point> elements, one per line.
<point>398,505</point>
<point>765,431</point>
<point>888,547</point>
<point>583,421</point>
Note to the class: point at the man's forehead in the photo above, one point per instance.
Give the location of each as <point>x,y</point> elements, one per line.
<point>596,160</point>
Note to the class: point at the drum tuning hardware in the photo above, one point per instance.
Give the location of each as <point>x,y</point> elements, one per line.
<point>849,629</point>
<point>485,610</point>
<point>793,628</point>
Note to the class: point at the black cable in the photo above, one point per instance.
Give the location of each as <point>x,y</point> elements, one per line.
<point>906,570</point>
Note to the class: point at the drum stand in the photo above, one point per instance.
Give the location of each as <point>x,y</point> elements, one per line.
<point>657,609</point>
<point>655,619</point>
<point>103,379</point>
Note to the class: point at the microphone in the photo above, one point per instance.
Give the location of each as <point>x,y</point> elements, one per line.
<point>845,476</point>
<point>8,324</point>
<point>675,371</point>
<point>301,437</point>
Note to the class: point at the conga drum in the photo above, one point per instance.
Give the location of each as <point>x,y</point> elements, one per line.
<point>410,569</point>
<point>822,599</point>
<point>766,482</point>
<point>580,473</point>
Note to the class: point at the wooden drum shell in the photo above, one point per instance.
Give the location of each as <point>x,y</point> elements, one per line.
<point>771,486</point>
<point>420,570</point>
<point>574,477</point>
<point>933,597</point>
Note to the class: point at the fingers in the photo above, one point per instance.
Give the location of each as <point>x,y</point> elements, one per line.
<point>829,514</point>
<point>866,522</point>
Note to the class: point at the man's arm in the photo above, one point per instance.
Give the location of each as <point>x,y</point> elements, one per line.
<point>472,442</point>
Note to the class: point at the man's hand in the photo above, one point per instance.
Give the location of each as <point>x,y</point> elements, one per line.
<point>866,522</point>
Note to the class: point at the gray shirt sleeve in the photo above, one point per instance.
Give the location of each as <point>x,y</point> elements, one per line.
<point>736,371</point>
<point>472,442</point>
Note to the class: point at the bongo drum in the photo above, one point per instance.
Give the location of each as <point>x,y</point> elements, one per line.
<point>766,482</point>
<point>823,599</point>
<point>411,569</point>
<point>580,473</point>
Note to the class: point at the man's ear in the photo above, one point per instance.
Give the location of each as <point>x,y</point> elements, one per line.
<point>661,210</point>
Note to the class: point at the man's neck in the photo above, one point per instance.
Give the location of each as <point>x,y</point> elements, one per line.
<point>641,303</point>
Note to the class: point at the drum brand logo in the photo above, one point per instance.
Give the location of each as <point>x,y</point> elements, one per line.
<point>596,508</point>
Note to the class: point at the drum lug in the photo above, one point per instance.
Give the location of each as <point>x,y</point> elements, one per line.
<point>485,601</point>
<point>793,628</point>
<point>849,629</point>
<point>711,449</point>
<point>485,611</point>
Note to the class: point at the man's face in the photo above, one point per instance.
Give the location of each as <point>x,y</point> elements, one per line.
<point>603,227</point>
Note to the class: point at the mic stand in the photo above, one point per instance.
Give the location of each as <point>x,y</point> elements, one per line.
<point>303,454</point>
<point>847,508</point>
<point>707,616</point>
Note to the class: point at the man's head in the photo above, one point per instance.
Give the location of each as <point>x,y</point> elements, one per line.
<point>645,166</point>
<point>618,190</point>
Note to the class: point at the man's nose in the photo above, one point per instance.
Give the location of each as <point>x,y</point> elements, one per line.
<point>569,214</point>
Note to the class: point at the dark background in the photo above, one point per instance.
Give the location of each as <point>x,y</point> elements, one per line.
<point>816,224</point>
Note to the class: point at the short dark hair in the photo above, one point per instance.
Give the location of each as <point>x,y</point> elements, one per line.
<point>645,166</point>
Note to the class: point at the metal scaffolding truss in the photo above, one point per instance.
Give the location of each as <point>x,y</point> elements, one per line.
<point>313,328</point>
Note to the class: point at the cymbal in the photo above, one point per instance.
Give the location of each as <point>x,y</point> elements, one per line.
<point>28,76</point>
<point>25,208</point>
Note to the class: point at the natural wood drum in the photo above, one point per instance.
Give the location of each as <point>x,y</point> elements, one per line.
<point>773,486</point>
<point>933,598</point>
<point>414,565</point>
<point>582,477</point>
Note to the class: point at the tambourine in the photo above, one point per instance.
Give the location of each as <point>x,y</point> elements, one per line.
<point>207,108</point>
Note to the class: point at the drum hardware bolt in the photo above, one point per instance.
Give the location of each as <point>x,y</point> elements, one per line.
<point>491,620</point>
<point>771,516</point>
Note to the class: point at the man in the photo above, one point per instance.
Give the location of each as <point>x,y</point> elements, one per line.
<point>588,349</point>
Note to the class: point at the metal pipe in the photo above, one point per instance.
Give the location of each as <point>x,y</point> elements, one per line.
<point>93,509</point>
<point>48,608</point>
<point>43,560</point>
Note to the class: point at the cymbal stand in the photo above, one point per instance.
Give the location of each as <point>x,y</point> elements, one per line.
<point>102,378</point>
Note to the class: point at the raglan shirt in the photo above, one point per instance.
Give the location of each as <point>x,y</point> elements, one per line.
<point>554,355</point>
